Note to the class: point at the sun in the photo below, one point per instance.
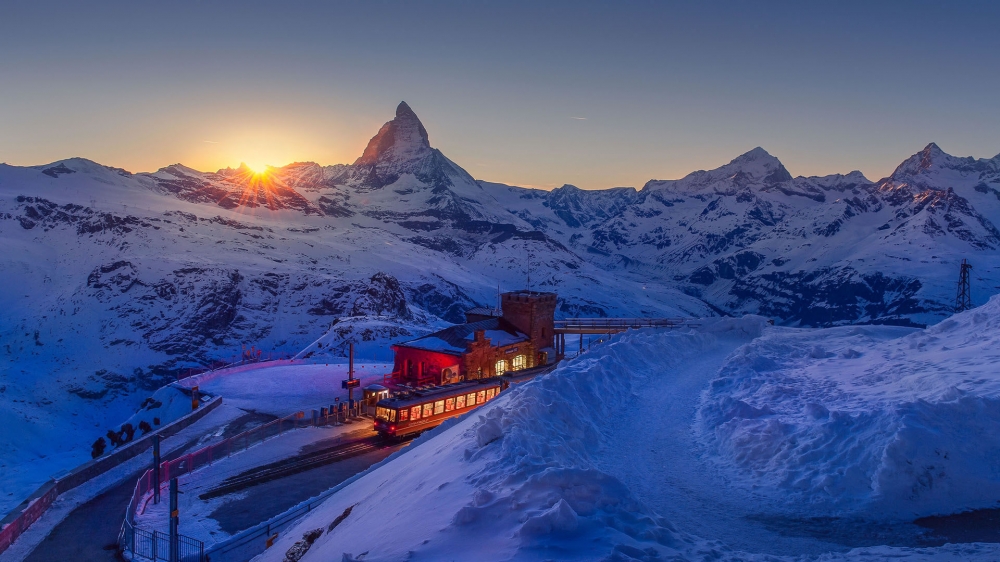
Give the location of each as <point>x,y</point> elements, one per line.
<point>258,168</point>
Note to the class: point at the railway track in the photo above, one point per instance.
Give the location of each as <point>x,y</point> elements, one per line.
<point>295,465</point>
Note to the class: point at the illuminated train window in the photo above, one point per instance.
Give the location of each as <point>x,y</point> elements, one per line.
<point>415,413</point>
<point>471,399</point>
<point>481,397</point>
<point>404,414</point>
<point>489,393</point>
<point>501,366</point>
<point>449,404</point>
<point>428,409</point>
<point>439,407</point>
<point>460,402</point>
<point>518,362</point>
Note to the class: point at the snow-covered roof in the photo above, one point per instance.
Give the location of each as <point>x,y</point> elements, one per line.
<point>455,339</point>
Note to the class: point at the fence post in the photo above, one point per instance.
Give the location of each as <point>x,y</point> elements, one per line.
<point>156,469</point>
<point>174,542</point>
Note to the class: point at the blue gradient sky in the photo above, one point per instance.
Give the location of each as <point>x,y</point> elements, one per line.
<point>665,88</point>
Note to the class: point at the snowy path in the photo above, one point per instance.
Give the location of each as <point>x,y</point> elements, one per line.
<point>667,470</point>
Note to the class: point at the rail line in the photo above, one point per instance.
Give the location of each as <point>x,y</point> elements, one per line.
<point>295,465</point>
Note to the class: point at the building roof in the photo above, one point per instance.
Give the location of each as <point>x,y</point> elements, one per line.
<point>484,311</point>
<point>455,339</point>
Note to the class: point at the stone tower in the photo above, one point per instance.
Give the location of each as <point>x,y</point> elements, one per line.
<point>532,313</point>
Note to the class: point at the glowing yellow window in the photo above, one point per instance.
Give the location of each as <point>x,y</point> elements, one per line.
<point>415,413</point>
<point>460,402</point>
<point>428,409</point>
<point>439,407</point>
<point>501,366</point>
<point>449,404</point>
<point>481,397</point>
<point>519,362</point>
<point>489,393</point>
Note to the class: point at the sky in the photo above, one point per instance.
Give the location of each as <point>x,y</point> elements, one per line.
<point>595,94</point>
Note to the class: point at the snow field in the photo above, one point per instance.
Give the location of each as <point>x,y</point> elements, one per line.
<point>282,390</point>
<point>887,422</point>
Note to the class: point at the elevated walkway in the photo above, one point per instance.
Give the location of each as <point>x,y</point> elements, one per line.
<point>608,326</point>
<point>615,325</point>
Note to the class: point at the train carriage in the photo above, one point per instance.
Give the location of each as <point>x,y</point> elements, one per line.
<point>418,410</point>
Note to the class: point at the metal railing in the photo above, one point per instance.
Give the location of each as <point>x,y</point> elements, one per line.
<point>130,538</point>
<point>617,324</point>
<point>155,546</point>
<point>141,495</point>
<point>17,522</point>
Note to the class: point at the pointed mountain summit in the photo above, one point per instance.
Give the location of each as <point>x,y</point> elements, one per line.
<point>404,139</point>
<point>759,165</point>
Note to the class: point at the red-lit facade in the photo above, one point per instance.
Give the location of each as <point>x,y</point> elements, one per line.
<point>520,336</point>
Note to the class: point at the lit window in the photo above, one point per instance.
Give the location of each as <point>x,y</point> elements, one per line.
<point>415,413</point>
<point>481,397</point>
<point>449,404</point>
<point>460,402</point>
<point>489,393</point>
<point>518,362</point>
<point>501,366</point>
<point>471,399</point>
<point>404,415</point>
<point>439,407</point>
<point>428,409</point>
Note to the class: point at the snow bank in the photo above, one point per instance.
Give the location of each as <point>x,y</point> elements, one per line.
<point>519,479</point>
<point>893,422</point>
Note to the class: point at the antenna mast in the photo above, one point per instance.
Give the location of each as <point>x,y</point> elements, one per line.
<point>963,299</point>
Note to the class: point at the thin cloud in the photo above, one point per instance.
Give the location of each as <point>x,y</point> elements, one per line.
<point>211,142</point>
<point>579,118</point>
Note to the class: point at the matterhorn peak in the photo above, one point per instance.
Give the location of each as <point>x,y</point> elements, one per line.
<point>402,139</point>
<point>759,164</point>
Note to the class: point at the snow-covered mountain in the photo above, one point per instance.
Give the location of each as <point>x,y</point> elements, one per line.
<point>114,282</point>
<point>749,238</point>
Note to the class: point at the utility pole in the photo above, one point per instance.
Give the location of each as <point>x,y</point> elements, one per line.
<point>963,299</point>
<point>350,382</point>
<point>175,542</point>
<point>156,469</point>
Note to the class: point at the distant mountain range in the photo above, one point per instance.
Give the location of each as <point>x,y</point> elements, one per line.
<point>113,282</point>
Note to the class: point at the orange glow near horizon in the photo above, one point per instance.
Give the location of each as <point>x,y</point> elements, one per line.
<point>258,168</point>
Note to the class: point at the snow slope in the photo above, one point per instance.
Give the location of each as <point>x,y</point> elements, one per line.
<point>864,419</point>
<point>547,471</point>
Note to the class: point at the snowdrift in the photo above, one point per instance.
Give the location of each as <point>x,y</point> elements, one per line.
<point>892,422</point>
<point>516,480</point>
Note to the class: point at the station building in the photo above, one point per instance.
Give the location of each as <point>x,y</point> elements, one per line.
<point>517,336</point>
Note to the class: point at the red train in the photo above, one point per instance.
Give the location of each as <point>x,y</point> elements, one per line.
<point>411,412</point>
